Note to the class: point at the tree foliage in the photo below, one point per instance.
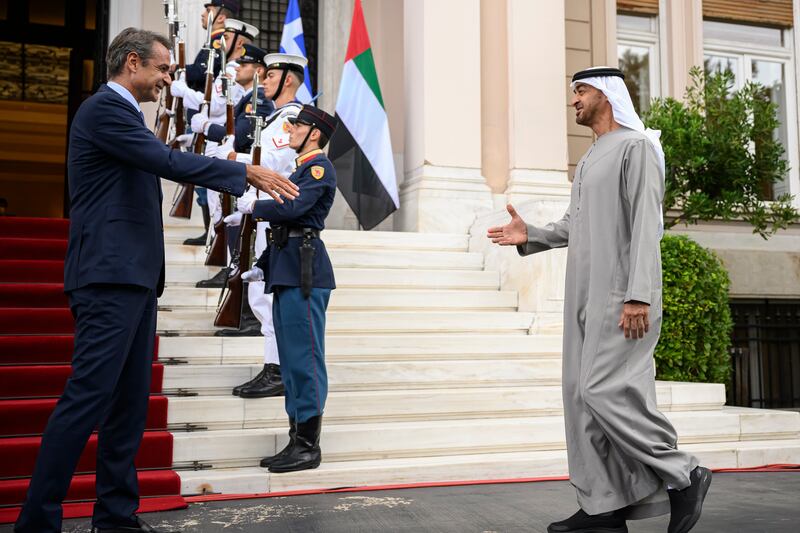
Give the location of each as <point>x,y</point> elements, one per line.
<point>722,155</point>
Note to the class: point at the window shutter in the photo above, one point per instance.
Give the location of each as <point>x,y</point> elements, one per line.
<point>644,7</point>
<point>764,12</point>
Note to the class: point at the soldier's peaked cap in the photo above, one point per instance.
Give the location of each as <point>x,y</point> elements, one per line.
<point>286,61</point>
<point>597,72</point>
<point>316,117</point>
<point>233,5</point>
<point>252,54</point>
<point>242,28</point>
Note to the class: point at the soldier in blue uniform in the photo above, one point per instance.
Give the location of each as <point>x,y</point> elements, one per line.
<point>299,274</point>
<point>220,11</point>
<point>250,62</point>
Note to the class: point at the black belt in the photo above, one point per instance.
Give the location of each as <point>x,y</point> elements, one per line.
<point>283,233</point>
<point>301,232</point>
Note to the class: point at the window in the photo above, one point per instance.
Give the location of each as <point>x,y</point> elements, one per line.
<point>763,55</point>
<point>637,52</point>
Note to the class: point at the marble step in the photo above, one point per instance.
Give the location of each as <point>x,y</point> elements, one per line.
<point>354,348</point>
<point>231,412</point>
<point>373,322</point>
<point>176,297</point>
<point>472,467</point>
<point>177,254</point>
<point>343,239</point>
<point>345,442</point>
<point>385,278</point>
<point>372,375</point>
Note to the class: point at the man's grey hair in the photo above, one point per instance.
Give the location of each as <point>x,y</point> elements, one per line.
<point>132,40</point>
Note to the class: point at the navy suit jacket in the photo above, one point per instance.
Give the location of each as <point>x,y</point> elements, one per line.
<point>116,233</point>
<point>316,178</point>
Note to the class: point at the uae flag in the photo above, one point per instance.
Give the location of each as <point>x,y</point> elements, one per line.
<point>360,148</point>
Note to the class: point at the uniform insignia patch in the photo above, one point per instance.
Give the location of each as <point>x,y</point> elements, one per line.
<point>248,108</point>
<point>286,127</point>
<point>317,172</point>
<point>216,43</point>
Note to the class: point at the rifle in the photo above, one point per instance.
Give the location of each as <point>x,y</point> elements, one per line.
<point>229,311</point>
<point>162,128</point>
<point>217,251</point>
<point>184,196</point>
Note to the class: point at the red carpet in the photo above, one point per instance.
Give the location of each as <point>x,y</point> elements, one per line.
<point>36,342</point>
<point>33,350</point>
<point>32,295</point>
<point>31,270</point>
<point>29,416</point>
<point>19,248</point>
<point>38,381</point>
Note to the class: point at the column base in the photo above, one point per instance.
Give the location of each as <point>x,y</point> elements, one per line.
<point>532,184</point>
<point>436,199</point>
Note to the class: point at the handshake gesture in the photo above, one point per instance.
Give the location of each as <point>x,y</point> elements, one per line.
<point>512,234</point>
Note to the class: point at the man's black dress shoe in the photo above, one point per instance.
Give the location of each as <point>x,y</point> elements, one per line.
<point>238,388</point>
<point>267,386</point>
<point>687,504</point>
<point>580,522</point>
<point>216,282</point>
<point>141,527</point>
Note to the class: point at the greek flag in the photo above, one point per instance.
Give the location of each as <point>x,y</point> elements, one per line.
<point>293,42</point>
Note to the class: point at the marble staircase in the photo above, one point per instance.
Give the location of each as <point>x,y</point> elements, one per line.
<point>434,376</point>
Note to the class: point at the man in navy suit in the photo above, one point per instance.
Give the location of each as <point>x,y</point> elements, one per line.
<point>113,273</point>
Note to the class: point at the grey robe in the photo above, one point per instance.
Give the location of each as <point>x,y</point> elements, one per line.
<point>622,450</point>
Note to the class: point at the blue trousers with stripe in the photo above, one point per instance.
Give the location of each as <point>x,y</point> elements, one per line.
<point>300,332</point>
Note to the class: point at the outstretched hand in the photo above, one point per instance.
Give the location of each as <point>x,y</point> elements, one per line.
<point>512,234</point>
<point>271,183</point>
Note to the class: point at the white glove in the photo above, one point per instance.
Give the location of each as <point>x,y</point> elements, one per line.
<point>233,220</point>
<point>200,123</point>
<point>222,150</point>
<point>254,274</point>
<point>185,140</point>
<point>245,205</point>
<point>178,88</point>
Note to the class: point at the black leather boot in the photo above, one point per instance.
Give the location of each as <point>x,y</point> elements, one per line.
<point>305,453</point>
<point>270,384</point>
<point>201,240</point>
<point>580,522</point>
<point>215,282</point>
<point>266,461</point>
<point>249,326</point>
<point>687,504</point>
<point>238,388</point>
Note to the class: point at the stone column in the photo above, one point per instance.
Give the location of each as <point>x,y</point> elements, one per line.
<point>444,189</point>
<point>681,43</point>
<point>537,129</point>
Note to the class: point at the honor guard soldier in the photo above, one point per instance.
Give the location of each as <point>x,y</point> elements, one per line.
<point>216,13</point>
<point>299,275</point>
<point>283,78</point>
<point>219,10</point>
<point>250,63</point>
<point>236,35</point>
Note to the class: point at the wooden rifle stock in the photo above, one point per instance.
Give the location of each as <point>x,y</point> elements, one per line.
<point>182,207</point>
<point>229,314</point>
<point>179,115</point>
<point>162,131</point>
<point>218,251</point>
